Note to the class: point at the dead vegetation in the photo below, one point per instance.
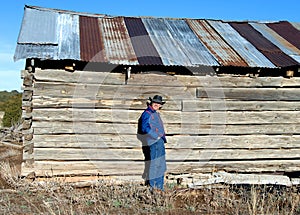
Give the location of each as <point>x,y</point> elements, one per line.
<point>57,196</point>
<point>53,196</point>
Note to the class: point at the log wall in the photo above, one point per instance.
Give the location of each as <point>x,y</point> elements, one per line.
<point>83,123</point>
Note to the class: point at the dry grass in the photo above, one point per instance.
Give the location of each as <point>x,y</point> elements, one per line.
<point>53,196</point>
<point>56,196</point>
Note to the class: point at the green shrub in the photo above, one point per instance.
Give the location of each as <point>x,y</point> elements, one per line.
<point>13,111</point>
<point>5,96</point>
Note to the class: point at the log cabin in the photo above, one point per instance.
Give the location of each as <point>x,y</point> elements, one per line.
<point>231,89</point>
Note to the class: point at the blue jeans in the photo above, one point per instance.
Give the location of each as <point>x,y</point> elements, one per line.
<point>155,167</point>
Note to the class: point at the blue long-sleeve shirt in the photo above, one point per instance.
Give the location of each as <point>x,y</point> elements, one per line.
<point>150,127</point>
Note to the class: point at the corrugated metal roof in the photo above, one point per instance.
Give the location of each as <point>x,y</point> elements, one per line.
<point>276,39</point>
<point>141,42</point>
<point>117,43</point>
<point>45,52</point>
<point>287,31</point>
<point>272,52</point>
<point>44,25</point>
<point>61,43</point>
<point>91,43</point>
<point>168,47</point>
<point>213,41</point>
<point>189,43</point>
<point>244,48</point>
<point>153,41</point>
<point>68,37</point>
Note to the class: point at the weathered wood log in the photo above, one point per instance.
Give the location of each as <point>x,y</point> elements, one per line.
<point>179,141</point>
<point>229,178</point>
<point>27,78</point>
<point>238,81</point>
<point>28,158</point>
<point>26,104</point>
<point>26,123</point>
<point>170,93</point>
<point>161,79</point>
<point>28,147</point>
<point>138,104</point>
<point>171,129</point>
<point>257,94</point>
<point>27,95</point>
<point>98,91</point>
<point>193,105</point>
<point>131,116</point>
<point>27,134</point>
<point>231,105</point>
<point>87,77</point>
<point>52,168</point>
<point>171,154</point>
<point>237,124</point>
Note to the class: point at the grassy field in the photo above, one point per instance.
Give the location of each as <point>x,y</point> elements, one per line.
<point>56,196</point>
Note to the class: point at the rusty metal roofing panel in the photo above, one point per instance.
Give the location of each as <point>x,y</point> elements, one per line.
<point>245,49</point>
<point>213,41</point>
<point>91,43</point>
<point>287,31</point>
<point>68,37</point>
<point>189,43</point>
<point>142,44</point>
<point>117,43</point>
<point>276,39</point>
<point>167,47</point>
<point>272,52</point>
<point>38,27</point>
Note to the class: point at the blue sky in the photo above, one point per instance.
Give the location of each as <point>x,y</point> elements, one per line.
<point>11,13</point>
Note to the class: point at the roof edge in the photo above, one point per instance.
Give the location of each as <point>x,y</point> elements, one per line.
<point>90,14</point>
<point>66,11</point>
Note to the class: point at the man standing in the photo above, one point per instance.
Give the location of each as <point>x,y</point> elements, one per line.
<point>152,135</point>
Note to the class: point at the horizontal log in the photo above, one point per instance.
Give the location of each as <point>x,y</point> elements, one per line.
<point>88,77</point>
<point>184,105</point>
<point>138,104</point>
<point>98,91</point>
<point>257,94</point>
<point>238,81</point>
<point>171,154</point>
<point>171,129</point>
<point>231,105</point>
<point>132,116</point>
<point>161,79</point>
<point>52,168</point>
<point>180,141</point>
<point>233,179</point>
<point>133,92</point>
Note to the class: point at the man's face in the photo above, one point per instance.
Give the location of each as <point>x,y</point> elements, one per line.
<point>156,106</point>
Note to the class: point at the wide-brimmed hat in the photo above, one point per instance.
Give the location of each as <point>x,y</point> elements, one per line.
<point>157,99</point>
